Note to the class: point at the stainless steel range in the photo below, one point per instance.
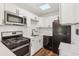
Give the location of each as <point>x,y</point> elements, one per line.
<point>15,41</point>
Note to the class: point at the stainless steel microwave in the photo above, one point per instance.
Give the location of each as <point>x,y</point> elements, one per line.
<point>12,18</point>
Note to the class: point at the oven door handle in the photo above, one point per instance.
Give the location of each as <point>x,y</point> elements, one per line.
<point>20,47</point>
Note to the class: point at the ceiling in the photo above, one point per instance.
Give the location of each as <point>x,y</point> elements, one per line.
<point>35,8</point>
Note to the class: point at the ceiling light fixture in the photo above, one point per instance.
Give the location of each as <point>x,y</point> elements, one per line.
<point>45,7</point>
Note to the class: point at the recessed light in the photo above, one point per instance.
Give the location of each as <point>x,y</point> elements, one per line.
<point>45,7</point>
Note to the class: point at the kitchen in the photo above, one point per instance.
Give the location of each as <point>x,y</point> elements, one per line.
<point>34,27</point>
<point>26,27</point>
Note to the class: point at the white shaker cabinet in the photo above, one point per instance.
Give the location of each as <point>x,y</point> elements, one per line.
<point>10,7</point>
<point>1,13</point>
<point>66,13</point>
<point>40,43</point>
<point>33,46</point>
<point>76,13</point>
<point>36,44</point>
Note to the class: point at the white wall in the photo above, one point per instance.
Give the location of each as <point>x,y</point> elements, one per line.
<point>46,25</point>
<point>51,14</point>
<point>46,31</point>
<point>48,20</point>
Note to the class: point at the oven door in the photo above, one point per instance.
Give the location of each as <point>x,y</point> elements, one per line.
<point>23,50</point>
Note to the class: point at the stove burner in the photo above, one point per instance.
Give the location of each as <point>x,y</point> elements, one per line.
<point>13,41</point>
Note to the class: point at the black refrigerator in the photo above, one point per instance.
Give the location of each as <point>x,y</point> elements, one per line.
<point>61,33</point>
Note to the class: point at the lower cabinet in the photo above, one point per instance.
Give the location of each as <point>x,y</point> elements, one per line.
<point>36,45</point>
<point>40,43</point>
<point>33,46</point>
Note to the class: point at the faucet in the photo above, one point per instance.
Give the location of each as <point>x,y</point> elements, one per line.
<point>33,30</point>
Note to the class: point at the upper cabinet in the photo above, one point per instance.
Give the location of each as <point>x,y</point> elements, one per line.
<point>1,13</point>
<point>32,19</point>
<point>66,13</point>
<point>19,11</point>
<point>76,19</point>
<point>10,7</point>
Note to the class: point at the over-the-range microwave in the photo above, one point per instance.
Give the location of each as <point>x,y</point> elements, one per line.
<point>13,19</point>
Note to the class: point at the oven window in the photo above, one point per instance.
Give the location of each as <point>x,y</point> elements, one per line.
<point>23,51</point>
<point>14,18</point>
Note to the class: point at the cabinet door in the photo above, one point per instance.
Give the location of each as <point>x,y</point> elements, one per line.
<point>66,13</point>
<point>1,13</point>
<point>40,43</point>
<point>76,12</point>
<point>36,44</point>
<point>10,7</point>
<point>34,47</point>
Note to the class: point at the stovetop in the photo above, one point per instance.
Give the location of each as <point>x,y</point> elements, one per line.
<point>13,43</point>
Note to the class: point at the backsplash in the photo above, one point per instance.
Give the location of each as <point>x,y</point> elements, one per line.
<point>46,31</point>
<point>26,31</point>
